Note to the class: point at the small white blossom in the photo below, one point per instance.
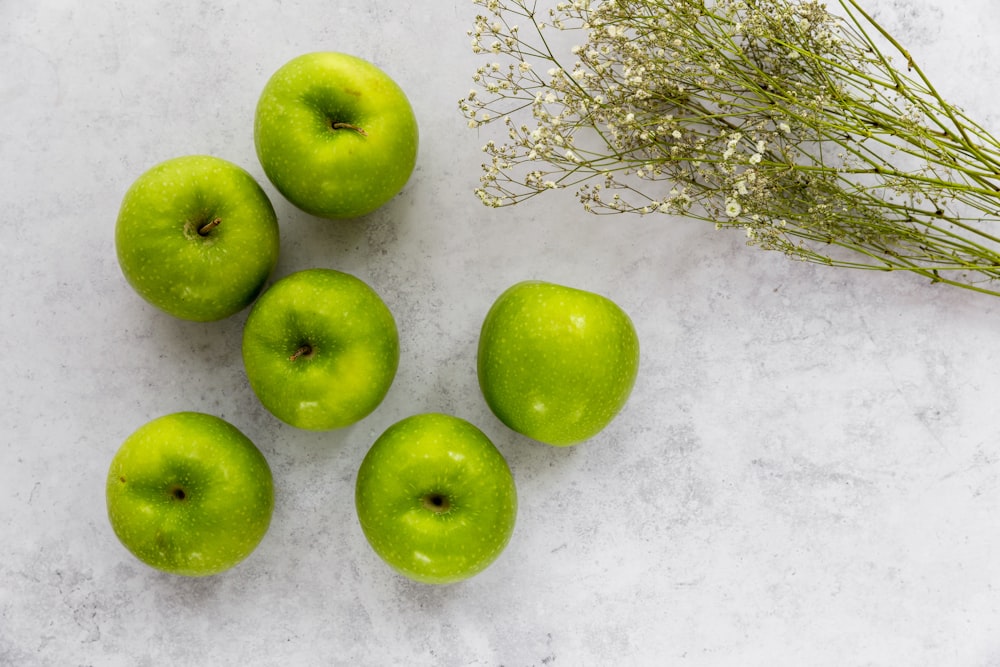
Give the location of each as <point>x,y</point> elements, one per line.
<point>733,207</point>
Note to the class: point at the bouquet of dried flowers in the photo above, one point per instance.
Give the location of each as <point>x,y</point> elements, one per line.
<point>778,117</point>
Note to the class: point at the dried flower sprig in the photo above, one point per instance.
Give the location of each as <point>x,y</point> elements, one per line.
<point>774,116</point>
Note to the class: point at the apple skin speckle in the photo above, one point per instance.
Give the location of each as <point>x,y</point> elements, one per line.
<point>353,348</point>
<point>335,134</point>
<point>442,456</point>
<point>556,363</point>
<point>223,511</point>
<point>189,275</point>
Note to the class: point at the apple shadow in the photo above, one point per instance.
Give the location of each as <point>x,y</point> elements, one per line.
<point>348,245</point>
<point>181,365</point>
<point>175,591</point>
<point>530,460</point>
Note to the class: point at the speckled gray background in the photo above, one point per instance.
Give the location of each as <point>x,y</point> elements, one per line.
<point>808,472</point>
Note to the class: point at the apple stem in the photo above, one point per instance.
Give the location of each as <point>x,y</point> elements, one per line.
<point>209,226</point>
<point>303,351</point>
<point>348,126</point>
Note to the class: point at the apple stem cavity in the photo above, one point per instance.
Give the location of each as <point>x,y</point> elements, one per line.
<point>437,503</point>
<point>337,125</point>
<point>304,351</point>
<point>205,229</point>
<point>178,493</point>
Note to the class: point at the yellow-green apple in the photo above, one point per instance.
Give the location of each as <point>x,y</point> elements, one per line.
<point>556,363</point>
<point>320,349</point>
<point>197,237</point>
<point>436,499</point>
<point>190,494</point>
<point>335,134</point>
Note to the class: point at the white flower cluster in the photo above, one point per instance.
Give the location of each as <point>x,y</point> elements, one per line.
<point>725,110</point>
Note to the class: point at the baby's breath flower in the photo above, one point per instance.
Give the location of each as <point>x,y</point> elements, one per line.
<point>733,208</point>
<point>728,107</point>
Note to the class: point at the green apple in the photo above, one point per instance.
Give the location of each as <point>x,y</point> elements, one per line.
<point>197,237</point>
<point>436,499</point>
<point>189,494</point>
<point>320,349</point>
<point>556,363</point>
<point>335,134</point>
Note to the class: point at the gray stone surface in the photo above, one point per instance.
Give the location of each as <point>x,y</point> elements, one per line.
<point>808,472</point>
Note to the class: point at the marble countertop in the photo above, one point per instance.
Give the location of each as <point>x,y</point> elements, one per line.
<point>807,473</point>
